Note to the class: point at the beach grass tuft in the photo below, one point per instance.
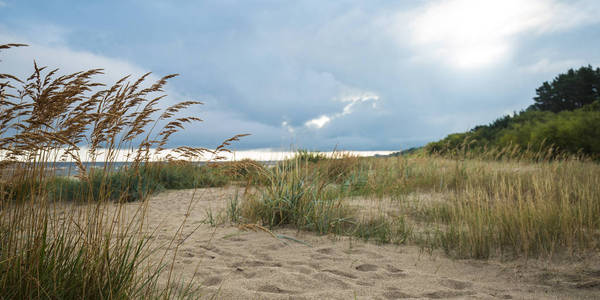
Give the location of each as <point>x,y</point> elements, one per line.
<point>75,237</point>
<point>471,206</point>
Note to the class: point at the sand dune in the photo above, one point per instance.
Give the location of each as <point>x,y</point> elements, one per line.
<point>233,264</point>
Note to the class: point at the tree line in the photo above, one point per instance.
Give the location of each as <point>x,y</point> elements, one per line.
<point>565,115</point>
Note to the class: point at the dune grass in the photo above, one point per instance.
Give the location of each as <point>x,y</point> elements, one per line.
<point>551,207</point>
<point>52,246</point>
<point>471,206</point>
<point>307,194</point>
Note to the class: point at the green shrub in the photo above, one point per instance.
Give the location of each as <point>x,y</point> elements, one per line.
<point>184,175</point>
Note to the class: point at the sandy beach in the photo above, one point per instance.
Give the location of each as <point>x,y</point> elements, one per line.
<point>231,263</point>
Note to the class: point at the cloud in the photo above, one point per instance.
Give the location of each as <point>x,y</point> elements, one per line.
<point>51,51</point>
<point>352,100</point>
<point>20,61</point>
<point>474,33</point>
<point>318,123</point>
<point>353,74</point>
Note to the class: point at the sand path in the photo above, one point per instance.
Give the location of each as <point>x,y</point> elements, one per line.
<point>234,264</point>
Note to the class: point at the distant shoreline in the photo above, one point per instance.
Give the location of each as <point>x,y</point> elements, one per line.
<point>69,168</point>
<point>262,155</point>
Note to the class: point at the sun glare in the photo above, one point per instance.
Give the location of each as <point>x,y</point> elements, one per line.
<point>474,33</point>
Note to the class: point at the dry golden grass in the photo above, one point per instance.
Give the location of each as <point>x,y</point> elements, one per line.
<point>469,206</point>
<point>97,251</point>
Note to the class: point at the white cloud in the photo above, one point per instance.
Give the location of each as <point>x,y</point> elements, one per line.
<point>357,98</point>
<point>475,33</point>
<point>352,99</point>
<point>3,4</point>
<point>318,122</point>
<point>52,53</point>
<point>19,61</point>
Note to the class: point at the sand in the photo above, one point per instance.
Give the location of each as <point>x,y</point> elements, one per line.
<point>230,263</point>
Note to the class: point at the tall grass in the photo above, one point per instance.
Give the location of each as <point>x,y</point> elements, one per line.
<point>302,195</point>
<point>293,196</point>
<point>470,206</point>
<point>554,208</point>
<point>52,249</point>
<point>186,175</point>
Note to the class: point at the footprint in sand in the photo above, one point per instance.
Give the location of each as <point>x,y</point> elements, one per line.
<point>365,283</point>
<point>393,269</point>
<point>455,284</point>
<point>396,294</point>
<point>262,256</point>
<point>395,272</point>
<point>256,263</point>
<point>274,247</point>
<point>212,281</point>
<point>327,251</point>
<point>365,252</point>
<point>366,267</point>
<point>269,288</point>
<point>187,254</point>
<point>300,269</point>
<point>447,294</point>
<point>314,266</point>
<point>217,251</point>
<point>237,239</point>
<point>325,277</point>
<point>321,257</point>
<point>245,274</point>
<point>341,273</point>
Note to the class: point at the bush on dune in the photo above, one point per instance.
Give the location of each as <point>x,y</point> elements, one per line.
<point>563,120</point>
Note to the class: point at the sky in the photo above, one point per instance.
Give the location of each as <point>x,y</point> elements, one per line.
<point>320,75</point>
